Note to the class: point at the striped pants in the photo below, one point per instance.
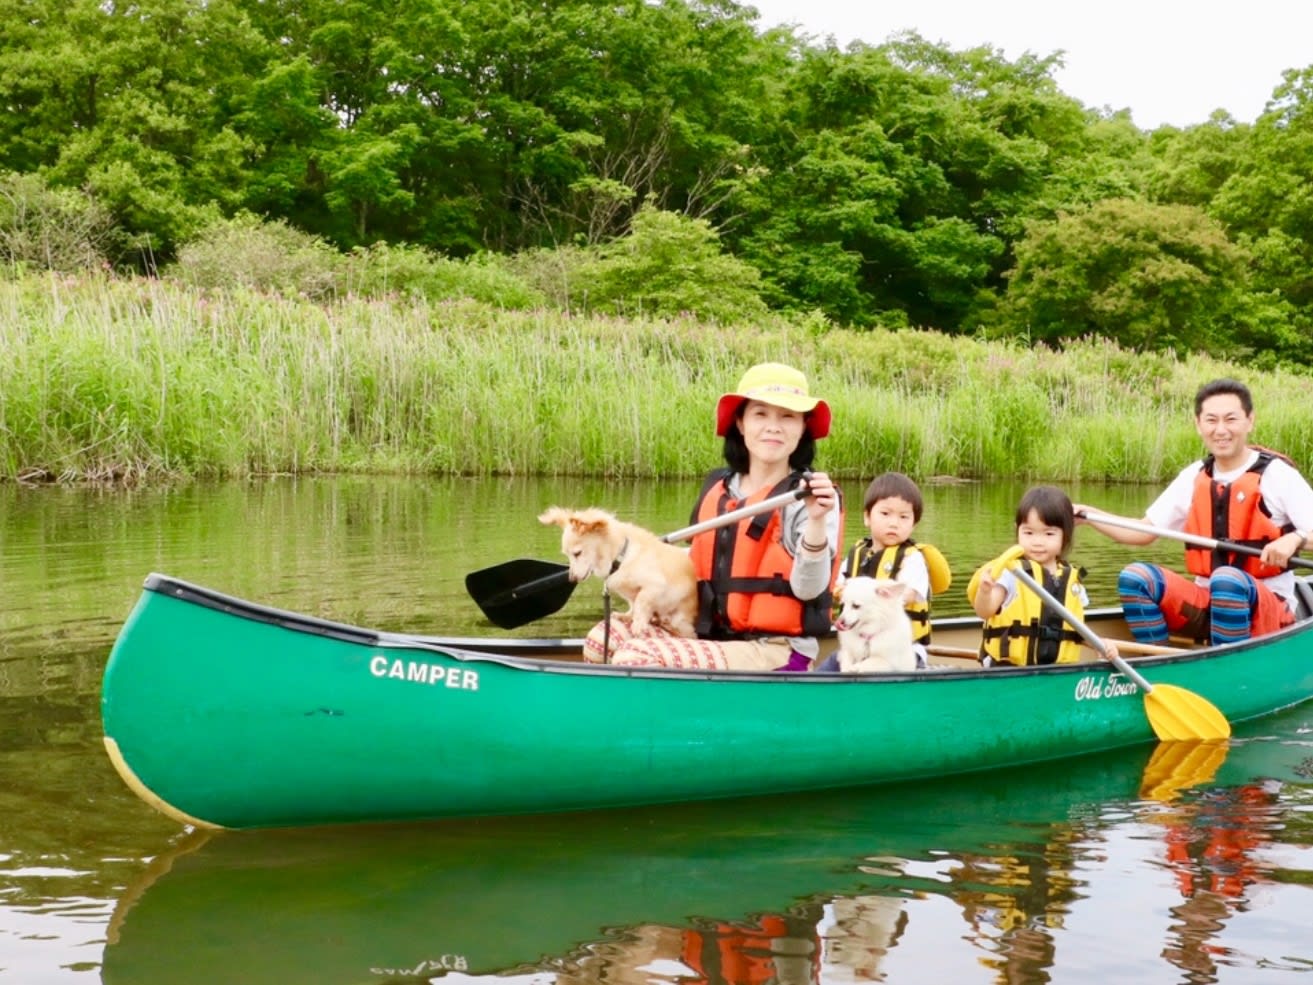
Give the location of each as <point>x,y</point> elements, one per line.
<point>1232,606</point>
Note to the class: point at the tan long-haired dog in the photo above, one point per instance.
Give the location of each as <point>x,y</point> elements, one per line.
<point>656,578</point>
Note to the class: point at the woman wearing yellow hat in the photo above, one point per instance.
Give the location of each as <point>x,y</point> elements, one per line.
<point>763,583</point>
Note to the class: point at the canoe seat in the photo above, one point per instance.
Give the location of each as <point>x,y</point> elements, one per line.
<point>1303,597</point>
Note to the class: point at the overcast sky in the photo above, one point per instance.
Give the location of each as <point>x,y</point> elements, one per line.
<point>1168,61</point>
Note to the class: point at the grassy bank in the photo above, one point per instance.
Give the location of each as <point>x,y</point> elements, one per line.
<point>138,379</point>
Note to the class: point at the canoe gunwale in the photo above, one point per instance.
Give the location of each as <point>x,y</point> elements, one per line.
<point>234,606</point>
<point>503,651</point>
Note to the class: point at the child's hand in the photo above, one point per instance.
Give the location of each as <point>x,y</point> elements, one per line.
<point>1006,560</point>
<point>989,593</point>
<point>1110,648</point>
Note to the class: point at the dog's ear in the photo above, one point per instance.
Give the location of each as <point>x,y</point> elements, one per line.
<point>891,590</point>
<point>554,515</point>
<point>585,524</point>
<point>590,521</point>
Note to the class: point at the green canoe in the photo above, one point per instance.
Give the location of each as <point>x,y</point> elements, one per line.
<point>224,713</point>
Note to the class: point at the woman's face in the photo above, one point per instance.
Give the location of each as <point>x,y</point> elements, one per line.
<point>770,433</point>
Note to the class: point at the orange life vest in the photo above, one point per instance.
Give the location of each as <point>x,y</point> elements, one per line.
<point>743,571</point>
<point>1232,832</point>
<point>738,954</point>
<point>1232,511</point>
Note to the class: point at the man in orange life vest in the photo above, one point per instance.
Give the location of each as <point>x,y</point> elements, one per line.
<point>1238,492</point>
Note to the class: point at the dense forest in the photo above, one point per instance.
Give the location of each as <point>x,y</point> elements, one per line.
<point>668,155</point>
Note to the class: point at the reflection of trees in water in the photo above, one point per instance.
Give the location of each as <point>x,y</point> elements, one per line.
<point>60,801</point>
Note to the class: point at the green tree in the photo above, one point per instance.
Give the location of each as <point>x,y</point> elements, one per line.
<point>899,177</point>
<point>130,102</point>
<point>44,228</point>
<point>1150,277</point>
<point>668,265</point>
<point>1267,202</point>
<point>1193,164</point>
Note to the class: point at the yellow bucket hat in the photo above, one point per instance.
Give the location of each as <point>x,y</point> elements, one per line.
<point>780,386</point>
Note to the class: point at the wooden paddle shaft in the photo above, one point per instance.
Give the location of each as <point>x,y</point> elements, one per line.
<point>1080,627</point>
<point>1149,649</point>
<point>1126,646</point>
<point>1196,540</point>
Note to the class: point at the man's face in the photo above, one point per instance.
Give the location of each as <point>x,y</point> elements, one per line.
<point>1224,426</point>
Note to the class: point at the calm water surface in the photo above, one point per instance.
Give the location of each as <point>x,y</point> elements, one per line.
<point>1126,867</point>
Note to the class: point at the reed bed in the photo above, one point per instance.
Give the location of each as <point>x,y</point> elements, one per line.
<point>105,378</point>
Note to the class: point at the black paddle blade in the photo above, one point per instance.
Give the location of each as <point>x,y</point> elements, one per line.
<point>518,592</point>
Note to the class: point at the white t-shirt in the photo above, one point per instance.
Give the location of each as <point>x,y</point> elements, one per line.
<point>1286,493</point>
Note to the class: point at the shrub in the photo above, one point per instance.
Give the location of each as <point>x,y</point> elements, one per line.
<point>409,271</point>
<point>44,228</point>
<point>265,256</point>
<point>668,265</point>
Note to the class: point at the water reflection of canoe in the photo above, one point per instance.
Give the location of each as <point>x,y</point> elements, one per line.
<point>226,713</point>
<point>349,904</point>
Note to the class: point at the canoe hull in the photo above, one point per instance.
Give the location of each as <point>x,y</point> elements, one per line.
<point>227,714</point>
<point>335,904</point>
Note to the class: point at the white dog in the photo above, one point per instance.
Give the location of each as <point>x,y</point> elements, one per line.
<point>875,633</point>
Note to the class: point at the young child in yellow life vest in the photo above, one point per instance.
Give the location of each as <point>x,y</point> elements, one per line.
<point>891,509</point>
<point>1020,628</point>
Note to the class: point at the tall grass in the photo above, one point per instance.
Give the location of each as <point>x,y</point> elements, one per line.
<point>132,379</point>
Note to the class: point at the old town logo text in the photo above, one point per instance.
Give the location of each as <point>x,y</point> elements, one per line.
<point>1112,686</point>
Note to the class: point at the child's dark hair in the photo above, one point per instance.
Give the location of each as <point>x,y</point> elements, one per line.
<point>736,451</point>
<point>1053,508</point>
<point>892,484</point>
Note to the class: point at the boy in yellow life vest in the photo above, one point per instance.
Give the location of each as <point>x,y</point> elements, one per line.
<point>891,509</point>
<point>1019,628</point>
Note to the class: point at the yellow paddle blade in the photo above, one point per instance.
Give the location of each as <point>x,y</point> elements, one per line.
<point>1177,766</point>
<point>1176,714</point>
